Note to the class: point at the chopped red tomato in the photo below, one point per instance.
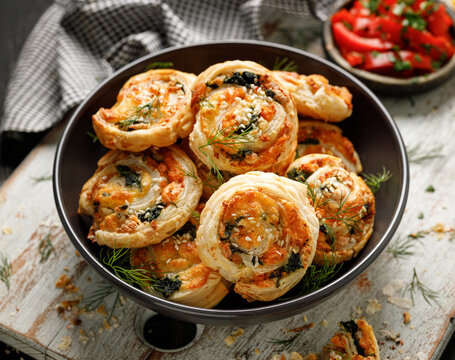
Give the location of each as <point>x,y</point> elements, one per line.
<point>350,41</point>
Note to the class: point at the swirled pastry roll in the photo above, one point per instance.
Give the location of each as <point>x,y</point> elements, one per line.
<point>259,231</point>
<point>323,138</point>
<point>316,98</point>
<point>152,108</point>
<point>356,341</point>
<point>138,199</point>
<point>175,262</point>
<point>343,203</point>
<point>245,119</point>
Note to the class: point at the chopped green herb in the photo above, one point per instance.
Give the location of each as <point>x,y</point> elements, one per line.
<point>417,155</point>
<point>212,85</point>
<point>404,246</point>
<point>6,270</point>
<point>371,5</point>
<point>284,64</point>
<point>144,114</point>
<point>45,248</point>
<point>420,216</point>
<point>352,328</point>
<point>430,189</point>
<point>298,175</point>
<point>428,294</point>
<point>42,178</point>
<point>151,214</point>
<point>414,20</point>
<point>286,343</point>
<point>102,292</point>
<point>92,136</point>
<point>375,53</point>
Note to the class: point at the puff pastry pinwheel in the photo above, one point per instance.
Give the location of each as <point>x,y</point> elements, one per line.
<point>245,119</point>
<point>343,203</point>
<point>259,231</point>
<point>316,98</point>
<point>138,199</point>
<point>152,108</point>
<point>323,138</point>
<point>175,262</point>
<point>356,341</point>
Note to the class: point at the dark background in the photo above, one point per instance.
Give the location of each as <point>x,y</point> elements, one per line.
<point>17,19</point>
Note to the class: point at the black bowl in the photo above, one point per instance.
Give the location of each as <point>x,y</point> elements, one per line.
<point>370,128</point>
<point>387,85</point>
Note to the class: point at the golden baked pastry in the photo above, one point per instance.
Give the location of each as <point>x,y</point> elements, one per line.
<point>259,231</point>
<point>138,199</point>
<point>322,138</point>
<point>152,108</point>
<point>245,119</point>
<point>177,271</point>
<point>343,203</point>
<point>356,341</point>
<point>314,97</point>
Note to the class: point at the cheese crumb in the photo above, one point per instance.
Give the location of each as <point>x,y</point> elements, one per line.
<point>65,343</point>
<point>257,351</point>
<point>7,230</point>
<point>62,281</point>
<point>421,355</point>
<point>324,323</point>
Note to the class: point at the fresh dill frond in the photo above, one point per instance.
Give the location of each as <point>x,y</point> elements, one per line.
<point>285,64</point>
<point>416,285</point>
<point>286,343</point>
<point>192,174</point>
<point>41,178</point>
<point>342,214</point>
<point>159,65</point>
<point>430,189</point>
<point>417,155</point>
<point>46,248</point>
<point>144,114</point>
<point>404,246</point>
<point>6,270</point>
<point>103,292</point>
<point>228,137</point>
<point>374,181</point>
<point>343,356</point>
<point>92,136</point>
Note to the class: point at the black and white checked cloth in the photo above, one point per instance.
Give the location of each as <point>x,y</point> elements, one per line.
<point>78,43</point>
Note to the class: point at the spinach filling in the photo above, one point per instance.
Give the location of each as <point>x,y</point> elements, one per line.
<point>245,78</point>
<point>188,228</point>
<point>294,263</point>
<point>352,328</point>
<point>166,285</point>
<point>131,178</point>
<point>151,214</point>
<point>299,175</point>
<point>310,141</point>
<point>240,155</point>
<point>229,227</point>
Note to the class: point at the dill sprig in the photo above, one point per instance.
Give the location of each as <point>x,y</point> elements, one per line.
<point>6,270</point>
<point>159,65</point>
<point>416,285</point>
<point>343,356</point>
<point>41,178</point>
<point>317,276</point>
<point>143,114</point>
<point>228,137</point>
<point>192,174</point>
<point>417,155</point>
<point>374,181</point>
<point>286,343</point>
<point>102,293</point>
<point>45,248</point>
<point>285,64</point>
<point>92,136</point>
<point>404,246</point>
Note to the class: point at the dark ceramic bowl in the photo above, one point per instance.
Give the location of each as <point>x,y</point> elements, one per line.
<point>387,85</point>
<point>371,129</point>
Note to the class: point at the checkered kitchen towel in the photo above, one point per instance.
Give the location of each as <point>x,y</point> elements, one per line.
<point>78,43</point>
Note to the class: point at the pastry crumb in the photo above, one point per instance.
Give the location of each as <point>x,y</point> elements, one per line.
<point>406,317</point>
<point>232,338</point>
<point>62,281</point>
<point>324,323</point>
<point>257,351</point>
<point>373,306</point>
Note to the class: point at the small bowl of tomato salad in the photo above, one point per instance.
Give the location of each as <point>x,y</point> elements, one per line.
<point>394,46</point>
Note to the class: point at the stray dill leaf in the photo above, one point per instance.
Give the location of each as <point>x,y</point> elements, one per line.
<point>100,295</point>
<point>5,270</point>
<point>144,114</point>
<point>285,64</point>
<point>92,136</point>
<point>416,285</point>
<point>404,246</point>
<point>374,181</point>
<point>430,189</point>
<point>420,216</point>
<point>228,137</point>
<point>45,248</point>
<point>42,178</point>
<point>417,155</point>
<point>286,343</point>
<point>159,65</point>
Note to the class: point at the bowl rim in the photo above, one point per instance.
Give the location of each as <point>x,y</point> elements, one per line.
<point>423,80</point>
<point>265,313</point>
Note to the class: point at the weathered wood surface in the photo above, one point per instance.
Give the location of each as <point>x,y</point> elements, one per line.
<point>31,321</point>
